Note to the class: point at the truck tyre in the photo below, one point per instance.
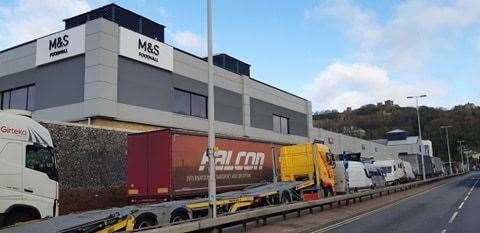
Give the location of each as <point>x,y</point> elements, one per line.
<point>145,221</point>
<point>178,217</point>
<point>18,217</point>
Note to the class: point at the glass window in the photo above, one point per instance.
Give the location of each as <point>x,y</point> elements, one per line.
<point>191,104</point>
<point>18,98</point>
<point>6,100</point>
<point>182,102</point>
<point>31,98</point>
<point>280,124</point>
<point>276,124</point>
<point>199,106</point>
<point>284,125</point>
<point>41,159</point>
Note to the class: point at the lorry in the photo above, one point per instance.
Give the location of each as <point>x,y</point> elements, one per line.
<point>28,175</point>
<point>415,161</point>
<point>173,206</point>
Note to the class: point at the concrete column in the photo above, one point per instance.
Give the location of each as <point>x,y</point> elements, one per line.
<point>101,67</point>
<point>310,135</point>
<point>246,106</point>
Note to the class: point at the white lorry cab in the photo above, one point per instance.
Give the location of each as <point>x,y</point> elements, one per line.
<point>393,170</point>
<point>28,175</point>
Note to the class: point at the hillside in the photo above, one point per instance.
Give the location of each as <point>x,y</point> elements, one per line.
<point>373,121</point>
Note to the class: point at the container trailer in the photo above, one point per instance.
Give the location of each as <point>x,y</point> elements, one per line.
<point>173,164</point>
<point>433,165</point>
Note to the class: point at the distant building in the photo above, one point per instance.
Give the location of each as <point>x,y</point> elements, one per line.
<point>400,143</point>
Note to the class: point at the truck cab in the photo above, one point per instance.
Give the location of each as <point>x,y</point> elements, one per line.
<point>308,162</point>
<point>28,175</point>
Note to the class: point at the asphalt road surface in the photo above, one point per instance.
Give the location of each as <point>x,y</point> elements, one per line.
<point>451,207</point>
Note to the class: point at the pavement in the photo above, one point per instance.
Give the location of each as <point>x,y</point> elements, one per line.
<point>435,207</point>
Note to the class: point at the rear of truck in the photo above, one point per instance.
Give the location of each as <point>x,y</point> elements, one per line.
<point>308,162</point>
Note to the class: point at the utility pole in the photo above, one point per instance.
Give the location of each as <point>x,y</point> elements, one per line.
<point>212,186</point>
<point>448,147</point>
<point>420,132</point>
<point>460,146</point>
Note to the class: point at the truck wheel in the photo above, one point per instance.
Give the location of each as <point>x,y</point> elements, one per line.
<point>178,217</point>
<point>18,217</point>
<point>144,222</point>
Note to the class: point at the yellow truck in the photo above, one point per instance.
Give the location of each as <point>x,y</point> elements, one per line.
<point>311,161</point>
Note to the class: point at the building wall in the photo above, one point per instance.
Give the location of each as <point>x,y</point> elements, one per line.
<point>56,84</point>
<point>102,84</point>
<point>261,116</point>
<point>340,143</point>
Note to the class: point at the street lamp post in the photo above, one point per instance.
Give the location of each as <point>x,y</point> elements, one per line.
<point>448,147</point>
<point>420,132</point>
<point>212,186</point>
<point>460,146</point>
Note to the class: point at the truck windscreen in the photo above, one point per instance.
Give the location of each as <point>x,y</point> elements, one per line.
<point>41,159</point>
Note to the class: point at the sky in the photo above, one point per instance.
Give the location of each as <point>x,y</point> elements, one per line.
<point>337,54</point>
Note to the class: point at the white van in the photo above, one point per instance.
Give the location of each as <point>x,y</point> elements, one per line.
<point>358,176</point>
<point>393,170</point>
<point>28,177</point>
<point>341,178</point>
<point>407,167</point>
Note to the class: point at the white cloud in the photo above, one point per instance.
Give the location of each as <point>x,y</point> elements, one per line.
<point>190,42</point>
<point>340,86</point>
<point>29,19</point>
<point>393,52</point>
<point>406,41</point>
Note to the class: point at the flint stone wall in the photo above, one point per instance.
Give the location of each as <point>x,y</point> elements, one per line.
<point>92,166</point>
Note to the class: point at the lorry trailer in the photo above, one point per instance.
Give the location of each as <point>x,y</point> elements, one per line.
<point>172,164</point>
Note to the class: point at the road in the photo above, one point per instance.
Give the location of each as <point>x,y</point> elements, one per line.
<point>451,207</point>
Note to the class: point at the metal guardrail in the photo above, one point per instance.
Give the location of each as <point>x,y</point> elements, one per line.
<point>255,215</point>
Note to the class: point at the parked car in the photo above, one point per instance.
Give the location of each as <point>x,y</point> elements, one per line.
<point>407,167</point>
<point>341,177</point>
<point>376,175</point>
<point>393,170</point>
<point>358,176</point>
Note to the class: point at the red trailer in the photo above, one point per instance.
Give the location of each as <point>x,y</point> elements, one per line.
<point>169,164</point>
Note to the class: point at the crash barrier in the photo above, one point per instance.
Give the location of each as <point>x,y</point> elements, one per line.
<point>262,214</point>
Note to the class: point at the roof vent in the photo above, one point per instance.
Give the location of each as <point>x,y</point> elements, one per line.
<point>231,64</point>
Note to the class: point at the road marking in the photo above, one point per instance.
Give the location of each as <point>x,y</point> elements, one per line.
<point>443,231</point>
<point>461,205</point>
<point>466,198</point>
<point>453,217</point>
<point>353,219</point>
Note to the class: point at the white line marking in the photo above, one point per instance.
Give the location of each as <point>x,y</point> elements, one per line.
<point>461,205</point>
<point>453,217</point>
<point>443,231</point>
<point>353,219</point>
<point>466,198</point>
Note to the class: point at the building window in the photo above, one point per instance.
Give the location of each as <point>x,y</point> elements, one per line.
<point>190,104</point>
<point>18,98</point>
<point>280,124</point>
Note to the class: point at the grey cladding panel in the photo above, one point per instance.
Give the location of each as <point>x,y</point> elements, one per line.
<point>57,84</point>
<point>150,87</point>
<point>228,106</point>
<point>261,116</point>
<point>143,85</point>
